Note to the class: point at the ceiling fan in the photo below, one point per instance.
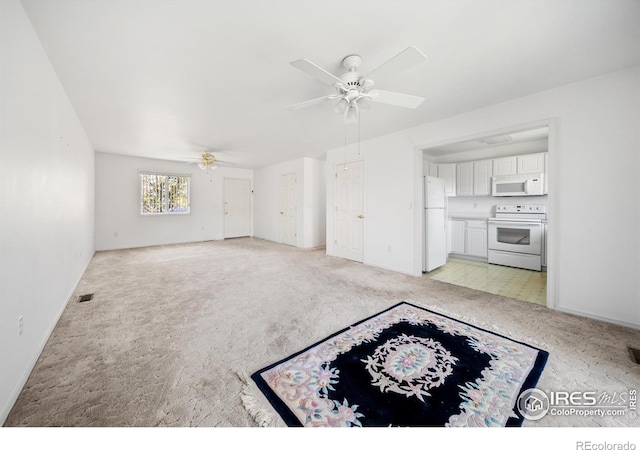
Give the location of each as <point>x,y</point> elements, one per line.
<point>207,161</point>
<point>354,91</point>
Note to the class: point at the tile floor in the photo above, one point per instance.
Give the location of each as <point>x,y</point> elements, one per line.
<point>520,284</point>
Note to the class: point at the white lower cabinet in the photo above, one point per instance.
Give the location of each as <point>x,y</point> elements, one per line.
<point>469,237</point>
<point>477,238</point>
<point>458,236</point>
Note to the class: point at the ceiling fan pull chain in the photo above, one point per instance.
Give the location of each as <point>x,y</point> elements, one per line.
<point>358,133</point>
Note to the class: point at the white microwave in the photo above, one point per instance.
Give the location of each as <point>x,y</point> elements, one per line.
<point>517,185</point>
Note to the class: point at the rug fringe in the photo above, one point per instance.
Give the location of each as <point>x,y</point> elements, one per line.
<point>490,327</point>
<point>256,405</point>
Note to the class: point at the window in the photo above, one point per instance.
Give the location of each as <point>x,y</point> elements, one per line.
<point>164,193</point>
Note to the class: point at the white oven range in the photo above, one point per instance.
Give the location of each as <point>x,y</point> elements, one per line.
<point>516,236</point>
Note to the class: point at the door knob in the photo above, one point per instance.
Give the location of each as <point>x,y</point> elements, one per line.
<point>360,216</point>
<point>281,212</point>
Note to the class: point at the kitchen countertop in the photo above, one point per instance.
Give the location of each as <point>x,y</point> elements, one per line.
<point>467,216</point>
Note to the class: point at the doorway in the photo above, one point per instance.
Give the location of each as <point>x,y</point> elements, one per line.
<point>349,213</point>
<point>475,159</point>
<point>237,208</point>
<point>289,209</point>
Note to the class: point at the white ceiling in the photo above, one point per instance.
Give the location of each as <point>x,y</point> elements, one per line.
<point>536,134</point>
<point>169,79</point>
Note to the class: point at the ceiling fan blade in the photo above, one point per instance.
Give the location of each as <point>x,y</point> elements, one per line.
<point>395,98</point>
<point>399,63</point>
<point>316,71</point>
<point>312,102</point>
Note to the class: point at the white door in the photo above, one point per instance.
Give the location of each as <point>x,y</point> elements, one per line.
<point>288,209</point>
<point>349,214</point>
<point>237,208</point>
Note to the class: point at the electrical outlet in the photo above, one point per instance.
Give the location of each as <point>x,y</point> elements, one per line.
<point>20,325</point>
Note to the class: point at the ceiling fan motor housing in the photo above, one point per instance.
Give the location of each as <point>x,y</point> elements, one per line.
<point>353,91</point>
<point>352,62</point>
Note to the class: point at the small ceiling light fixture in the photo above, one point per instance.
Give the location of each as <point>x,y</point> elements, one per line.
<point>207,162</point>
<point>496,139</point>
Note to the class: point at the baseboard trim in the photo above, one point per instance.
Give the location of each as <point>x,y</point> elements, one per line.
<point>599,318</point>
<point>392,269</point>
<point>6,410</point>
<point>468,257</point>
<point>317,247</point>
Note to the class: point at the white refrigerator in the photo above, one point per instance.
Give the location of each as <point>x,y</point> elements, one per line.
<point>435,224</point>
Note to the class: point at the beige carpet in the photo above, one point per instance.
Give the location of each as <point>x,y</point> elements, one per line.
<point>171,327</point>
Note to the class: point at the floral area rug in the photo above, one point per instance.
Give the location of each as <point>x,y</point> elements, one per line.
<point>406,366</point>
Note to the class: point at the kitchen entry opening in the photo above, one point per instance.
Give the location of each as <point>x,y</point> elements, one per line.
<point>517,267</point>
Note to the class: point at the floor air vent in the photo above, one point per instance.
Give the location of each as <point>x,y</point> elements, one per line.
<point>85,298</point>
<point>635,355</point>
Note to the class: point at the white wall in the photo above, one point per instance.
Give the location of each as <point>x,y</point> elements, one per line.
<point>46,200</point>
<point>267,182</point>
<point>484,206</point>
<point>315,229</point>
<point>594,189</point>
<point>118,221</point>
<point>388,200</point>
<point>310,201</point>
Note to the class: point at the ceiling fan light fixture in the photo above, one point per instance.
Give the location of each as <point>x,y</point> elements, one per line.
<point>352,86</point>
<point>364,104</point>
<point>341,106</point>
<point>207,161</point>
<point>351,115</point>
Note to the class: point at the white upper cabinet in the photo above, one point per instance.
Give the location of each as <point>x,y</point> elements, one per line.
<point>464,178</point>
<point>445,171</point>
<point>482,173</point>
<point>533,163</point>
<point>514,165</point>
<point>474,178</point>
<point>448,173</point>
<point>505,166</point>
<point>433,170</point>
<point>429,169</point>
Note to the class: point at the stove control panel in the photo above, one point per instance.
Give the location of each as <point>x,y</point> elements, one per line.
<point>535,209</point>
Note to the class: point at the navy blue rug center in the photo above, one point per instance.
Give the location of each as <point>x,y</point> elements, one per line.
<point>406,366</point>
